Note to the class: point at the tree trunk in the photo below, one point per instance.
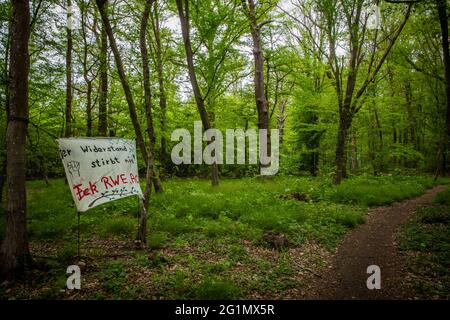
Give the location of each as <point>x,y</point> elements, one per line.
<point>354,152</point>
<point>15,255</point>
<point>410,114</point>
<point>103,90</point>
<point>148,99</point>
<point>443,21</point>
<point>6,84</point>
<point>141,235</point>
<point>69,90</point>
<point>183,12</point>
<point>260,96</point>
<point>282,119</point>
<point>89,110</point>
<point>87,80</point>
<point>2,178</point>
<point>123,79</point>
<point>162,92</point>
<point>341,148</point>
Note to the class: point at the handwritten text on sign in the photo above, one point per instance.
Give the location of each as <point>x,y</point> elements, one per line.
<point>100,170</point>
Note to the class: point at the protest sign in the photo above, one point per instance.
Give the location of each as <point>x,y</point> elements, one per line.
<point>100,170</point>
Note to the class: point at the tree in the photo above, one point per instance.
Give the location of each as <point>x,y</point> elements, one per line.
<point>443,22</point>
<point>142,232</point>
<point>183,13</point>
<point>69,89</point>
<point>15,255</point>
<point>441,6</point>
<point>123,78</point>
<point>89,78</point>
<point>156,28</point>
<point>355,30</point>
<point>103,86</point>
<point>5,85</point>
<point>147,155</point>
<point>148,104</point>
<point>307,39</point>
<point>260,96</point>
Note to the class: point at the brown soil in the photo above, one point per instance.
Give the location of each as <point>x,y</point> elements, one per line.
<point>372,243</point>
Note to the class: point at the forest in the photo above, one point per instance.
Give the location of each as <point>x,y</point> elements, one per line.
<point>354,98</point>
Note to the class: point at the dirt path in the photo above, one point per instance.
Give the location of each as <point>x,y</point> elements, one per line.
<point>371,244</point>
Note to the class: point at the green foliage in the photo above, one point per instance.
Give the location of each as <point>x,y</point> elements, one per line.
<point>443,197</point>
<point>371,191</point>
<point>114,277</point>
<point>283,274</point>
<point>244,208</point>
<point>192,234</point>
<point>157,240</point>
<point>215,289</point>
<point>426,237</point>
<point>67,253</point>
<point>120,226</point>
<point>348,219</point>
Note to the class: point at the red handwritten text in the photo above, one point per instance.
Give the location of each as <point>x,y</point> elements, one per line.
<point>84,192</point>
<point>108,182</point>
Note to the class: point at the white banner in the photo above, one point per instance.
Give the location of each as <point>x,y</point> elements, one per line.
<point>100,170</point>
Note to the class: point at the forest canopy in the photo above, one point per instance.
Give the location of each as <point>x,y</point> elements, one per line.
<point>311,58</point>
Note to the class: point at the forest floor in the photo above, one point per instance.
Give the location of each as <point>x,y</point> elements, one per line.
<point>373,243</point>
<point>247,239</point>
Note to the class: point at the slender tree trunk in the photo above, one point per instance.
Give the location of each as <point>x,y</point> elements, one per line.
<point>89,109</point>
<point>69,90</point>
<point>282,119</point>
<point>103,89</point>
<point>14,253</point>
<point>410,114</point>
<point>148,97</point>
<point>260,95</point>
<point>183,12</point>
<point>6,84</point>
<point>123,79</point>
<point>380,131</point>
<point>354,152</point>
<point>87,80</point>
<point>380,139</point>
<point>2,177</point>
<point>443,21</point>
<point>345,122</point>
<point>162,92</point>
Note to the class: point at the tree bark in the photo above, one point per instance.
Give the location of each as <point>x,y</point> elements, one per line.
<point>87,80</point>
<point>410,114</point>
<point>6,84</point>
<point>148,104</point>
<point>260,95</point>
<point>103,86</point>
<point>89,109</point>
<point>443,21</point>
<point>345,121</point>
<point>123,79</point>
<point>14,253</point>
<point>354,152</point>
<point>69,89</point>
<point>164,158</point>
<point>183,12</point>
